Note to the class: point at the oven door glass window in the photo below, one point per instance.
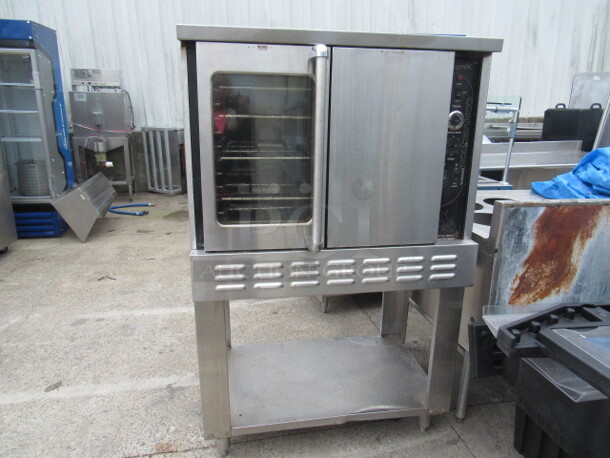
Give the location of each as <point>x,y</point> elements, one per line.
<point>263,137</point>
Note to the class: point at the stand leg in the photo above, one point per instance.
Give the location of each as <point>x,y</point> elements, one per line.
<point>424,423</point>
<point>211,326</point>
<point>128,173</point>
<point>443,351</point>
<point>462,400</point>
<point>394,313</point>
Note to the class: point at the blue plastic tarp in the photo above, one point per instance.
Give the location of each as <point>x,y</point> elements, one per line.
<point>590,179</point>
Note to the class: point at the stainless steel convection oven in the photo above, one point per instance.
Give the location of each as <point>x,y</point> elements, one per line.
<point>327,163</point>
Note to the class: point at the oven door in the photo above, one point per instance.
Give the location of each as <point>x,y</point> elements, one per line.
<point>388,134</point>
<point>262,145</point>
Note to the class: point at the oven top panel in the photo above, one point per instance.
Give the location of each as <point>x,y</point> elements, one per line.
<point>334,38</point>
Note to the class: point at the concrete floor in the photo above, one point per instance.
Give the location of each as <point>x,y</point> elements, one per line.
<point>98,354</point>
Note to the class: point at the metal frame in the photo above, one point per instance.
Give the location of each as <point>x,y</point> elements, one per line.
<point>227,382</point>
<point>244,398</point>
<point>160,158</point>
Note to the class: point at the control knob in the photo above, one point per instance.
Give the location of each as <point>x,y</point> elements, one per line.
<point>456,120</point>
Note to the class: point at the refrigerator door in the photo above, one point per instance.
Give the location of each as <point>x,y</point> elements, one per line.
<point>261,126</point>
<point>388,133</point>
<point>27,129</point>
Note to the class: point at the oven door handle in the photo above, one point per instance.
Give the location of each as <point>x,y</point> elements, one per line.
<point>321,61</point>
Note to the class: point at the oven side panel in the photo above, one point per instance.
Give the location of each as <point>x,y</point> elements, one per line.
<point>388,125</point>
<point>191,139</point>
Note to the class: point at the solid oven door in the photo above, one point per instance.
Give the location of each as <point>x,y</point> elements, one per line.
<point>388,132</point>
<point>262,145</point>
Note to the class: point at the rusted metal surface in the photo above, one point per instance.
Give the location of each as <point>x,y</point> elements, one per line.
<point>560,237</point>
<point>549,253</point>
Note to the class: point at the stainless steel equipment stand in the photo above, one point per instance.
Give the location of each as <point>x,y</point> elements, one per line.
<point>289,385</point>
<point>130,176</point>
<point>123,142</point>
<point>103,120</point>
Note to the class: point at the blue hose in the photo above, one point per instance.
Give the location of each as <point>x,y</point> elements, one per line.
<point>113,209</point>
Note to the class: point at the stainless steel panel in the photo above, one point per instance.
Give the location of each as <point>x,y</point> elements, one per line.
<point>291,385</point>
<point>95,77</point>
<point>387,144</point>
<point>478,143</point>
<point>357,39</point>
<point>533,161</point>
<point>589,88</point>
<point>83,204</point>
<point>8,232</point>
<point>93,112</point>
<point>187,105</point>
<point>333,279</point>
<point>565,153</point>
<point>245,59</point>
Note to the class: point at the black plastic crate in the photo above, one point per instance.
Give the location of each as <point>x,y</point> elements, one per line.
<point>561,123</point>
<point>559,414</point>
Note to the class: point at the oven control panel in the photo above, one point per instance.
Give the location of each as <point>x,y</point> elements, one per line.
<point>460,140</point>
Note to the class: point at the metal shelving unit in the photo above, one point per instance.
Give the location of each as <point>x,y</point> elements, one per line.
<point>163,159</point>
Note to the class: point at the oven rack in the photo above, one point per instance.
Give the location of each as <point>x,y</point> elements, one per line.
<point>263,116</point>
<point>263,198</point>
<point>265,88</point>
<point>233,153</point>
<point>265,158</point>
